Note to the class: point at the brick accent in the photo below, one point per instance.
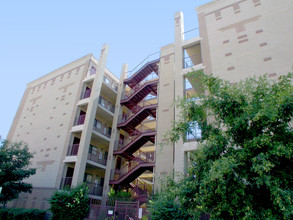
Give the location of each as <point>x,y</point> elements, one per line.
<point>228,54</point>
<point>263,44</point>
<point>242,41</point>
<point>165,110</point>
<point>272,75</point>
<point>267,59</point>
<point>230,68</point>
<point>259,31</point>
<point>226,41</point>
<point>167,84</point>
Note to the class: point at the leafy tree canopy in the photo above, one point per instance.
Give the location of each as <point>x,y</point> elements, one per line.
<point>243,163</point>
<point>14,168</point>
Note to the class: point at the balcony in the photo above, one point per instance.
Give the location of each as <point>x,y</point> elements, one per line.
<point>102,128</point>
<point>97,158</point>
<point>110,82</point>
<point>73,150</point>
<point>79,120</point>
<point>94,189</point>
<point>86,94</point>
<point>106,104</point>
<point>139,92</point>
<point>65,182</point>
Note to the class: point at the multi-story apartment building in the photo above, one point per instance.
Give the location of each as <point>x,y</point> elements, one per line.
<point>87,126</point>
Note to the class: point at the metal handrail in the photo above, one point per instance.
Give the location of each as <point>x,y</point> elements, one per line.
<point>131,72</point>
<point>187,61</point>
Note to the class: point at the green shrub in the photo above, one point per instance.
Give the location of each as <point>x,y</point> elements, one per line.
<point>70,203</point>
<point>21,214</point>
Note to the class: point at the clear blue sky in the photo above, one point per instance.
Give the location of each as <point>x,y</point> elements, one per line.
<point>38,37</point>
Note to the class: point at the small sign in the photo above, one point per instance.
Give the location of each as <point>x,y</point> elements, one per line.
<point>110,212</point>
<point>140,213</point>
<point>0,189</point>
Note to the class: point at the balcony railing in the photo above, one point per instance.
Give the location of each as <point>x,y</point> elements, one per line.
<point>149,58</point>
<point>190,33</point>
<point>97,158</point>
<point>106,104</point>
<point>127,94</point>
<point>94,189</point>
<point>65,182</point>
<point>86,94</point>
<point>193,60</point>
<point>73,150</point>
<point>110,82</point>
<point>80,120</point>
<point>103,129</point>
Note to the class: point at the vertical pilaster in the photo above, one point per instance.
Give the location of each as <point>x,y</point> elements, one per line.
<point>80,164</point>
<point>115,134</point>
<point>179,86</point>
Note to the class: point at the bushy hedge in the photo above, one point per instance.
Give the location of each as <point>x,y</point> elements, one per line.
<point>21,214</point>
<point>70,203</point>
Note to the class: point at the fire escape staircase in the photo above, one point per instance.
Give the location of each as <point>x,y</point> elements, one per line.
<point>142,195</point>
<point>139,112</point>
<point>142,113</point>
<point>139,92</point>
<point>142,73</point>
<point>135,172</point>
<point>127,150</point>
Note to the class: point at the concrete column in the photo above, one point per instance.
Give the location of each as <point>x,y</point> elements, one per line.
<point>115,135</point>
<point>179,86</point>
<point>83,150</point>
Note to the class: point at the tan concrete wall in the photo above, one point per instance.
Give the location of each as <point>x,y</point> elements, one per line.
<point>245,38</point>
<point>45,118</point>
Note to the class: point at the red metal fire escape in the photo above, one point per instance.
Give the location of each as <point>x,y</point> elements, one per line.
<point>139,110</point>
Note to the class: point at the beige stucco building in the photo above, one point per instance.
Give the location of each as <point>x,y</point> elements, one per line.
<point>85,125</point>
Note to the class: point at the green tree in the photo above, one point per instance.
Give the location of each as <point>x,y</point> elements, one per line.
<point>243,164</point>
<point>165,204</point>
<point>70,203</point>
<point>14,168</point>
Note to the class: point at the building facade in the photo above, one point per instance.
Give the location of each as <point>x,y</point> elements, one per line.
<point>85,125</point>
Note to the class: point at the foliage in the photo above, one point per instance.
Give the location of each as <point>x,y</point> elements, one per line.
<point>14,168</point>
<point>165,204</point>
<point>118,195</point>
<point>70,203</point>
<point>24,214</point>
<point>243,163</point>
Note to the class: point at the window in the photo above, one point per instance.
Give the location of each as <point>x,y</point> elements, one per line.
<point>100,156</point>
<point>102,102</point>
<point>109,131</point>
<point>93,70</point>
<point>194,131</point>
<point>106,80</point>
<point>93,150</point>
<point>97,124</point>
<point>88,178</point>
